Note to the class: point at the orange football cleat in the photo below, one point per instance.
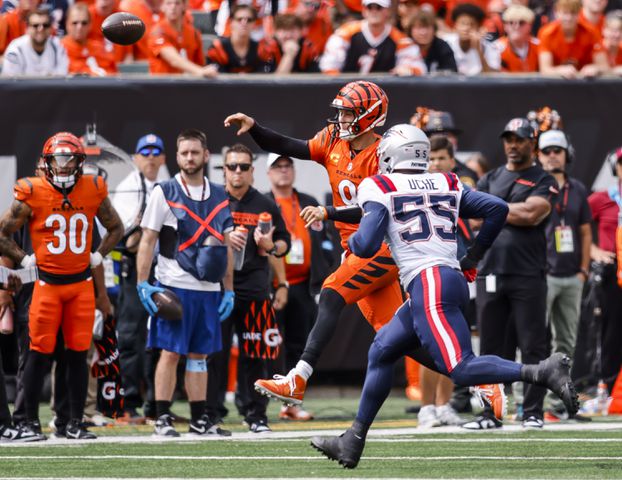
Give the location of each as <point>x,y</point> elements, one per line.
<point>290,388</point>
<point>295,413</point>
<point>493,395</point>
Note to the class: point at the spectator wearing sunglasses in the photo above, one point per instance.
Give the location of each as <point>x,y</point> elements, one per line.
<point>239,53</point>
<point>568,238</point>
<point>86,56</point>
<point>132,317</point>
<point>37,53</point>
<point>517,48</point>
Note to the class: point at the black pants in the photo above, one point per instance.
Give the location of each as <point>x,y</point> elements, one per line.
<point>132,337</point>
<point>520,302</point>
<point>295,322</point>
<point>252,362</point>
<point>61,399</point>
<point>611,329</point>
<point>5,414</point>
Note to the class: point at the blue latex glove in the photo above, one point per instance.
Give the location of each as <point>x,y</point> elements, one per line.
<point>145,290</point>
<point>226,305</point>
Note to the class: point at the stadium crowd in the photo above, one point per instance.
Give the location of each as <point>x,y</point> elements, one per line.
<point>249,308</point>
<point>565,38</point>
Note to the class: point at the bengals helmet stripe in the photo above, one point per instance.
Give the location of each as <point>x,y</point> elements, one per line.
<point>369,104</point>
<point>62,148</point>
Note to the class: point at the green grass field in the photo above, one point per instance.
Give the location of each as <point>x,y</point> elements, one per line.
<point>394,450</point>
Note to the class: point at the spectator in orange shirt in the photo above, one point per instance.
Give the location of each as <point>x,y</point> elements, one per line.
<point>593,13</point>
<point>239,53</point>
<point>612,40</point>
<point>86,56</point>
<point>15,22</point>
<point>293,53</point>
<point>149,12</point>
<point>176,46</point>
<point>569,48</point>
<point>316,17</point>
<point>518,49</point>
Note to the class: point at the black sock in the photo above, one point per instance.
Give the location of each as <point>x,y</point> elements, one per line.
<point>37,365</point>
<point>77,382</point>
<point>529,373</point>
<point>360,429</point>
<point>163,407</point>
<point>329,310</point>
<point>197,409</point>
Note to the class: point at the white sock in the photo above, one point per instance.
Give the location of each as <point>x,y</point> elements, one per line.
<point>304,369</point>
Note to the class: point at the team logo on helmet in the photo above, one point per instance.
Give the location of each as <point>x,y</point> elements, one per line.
<point>367,102</point>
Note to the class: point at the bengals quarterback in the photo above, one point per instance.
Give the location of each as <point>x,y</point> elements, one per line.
<point>346,147</point>
<point>60,208</point>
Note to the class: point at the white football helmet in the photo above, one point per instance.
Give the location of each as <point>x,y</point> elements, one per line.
<point>405,147</point>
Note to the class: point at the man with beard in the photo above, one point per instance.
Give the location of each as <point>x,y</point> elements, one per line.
<point>511,282</point>
<point>190,218</point>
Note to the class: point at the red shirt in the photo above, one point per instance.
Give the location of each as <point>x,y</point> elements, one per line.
<point>14,25</point>
<point>605,214</point>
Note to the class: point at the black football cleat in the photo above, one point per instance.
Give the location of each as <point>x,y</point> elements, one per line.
<point>554,373</point>
<point>75,430</point>
<point>346,448</point>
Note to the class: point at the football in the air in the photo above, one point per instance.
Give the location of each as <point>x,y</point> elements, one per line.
<point>123,28</point>
<point>168,304</point>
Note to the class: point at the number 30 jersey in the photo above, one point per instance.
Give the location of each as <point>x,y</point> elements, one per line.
<point>345,171</point>
<point>62,237</point>
<point>423,215</point>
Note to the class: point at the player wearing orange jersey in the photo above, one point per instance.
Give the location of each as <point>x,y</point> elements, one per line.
<point>60,209</point>
<point>347,149</point>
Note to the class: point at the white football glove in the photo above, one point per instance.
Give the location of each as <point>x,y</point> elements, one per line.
<point>29,261</point>
<point>96,259</point>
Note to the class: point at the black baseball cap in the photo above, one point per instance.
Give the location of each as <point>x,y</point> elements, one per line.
<point>521,127</point>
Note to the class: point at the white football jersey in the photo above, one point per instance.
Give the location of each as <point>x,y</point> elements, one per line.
<point>423,217</point>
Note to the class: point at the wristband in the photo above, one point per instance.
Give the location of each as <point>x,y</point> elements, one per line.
<point>324,212</point>
<point>282,285</point>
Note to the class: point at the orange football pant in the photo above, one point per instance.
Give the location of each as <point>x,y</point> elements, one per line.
<point>68,307</point>
<point>371,283</point>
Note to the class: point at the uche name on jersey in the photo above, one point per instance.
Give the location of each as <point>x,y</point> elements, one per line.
<point>422,184</point>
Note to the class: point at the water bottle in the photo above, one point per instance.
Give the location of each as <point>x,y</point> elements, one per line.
<point>602,397</point>
<point>264,224</point>
<point>238,255</point>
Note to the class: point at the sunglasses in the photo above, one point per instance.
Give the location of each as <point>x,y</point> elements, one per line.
<point>549,150</point>
<point>84,23</point>
<point>374,6</point>
<point>232,167</point>
<point>37,26</point>
<point>155,151</point>
<point>282,166</point>
<point>244,19</point>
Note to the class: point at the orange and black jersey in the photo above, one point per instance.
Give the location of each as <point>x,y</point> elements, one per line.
<point>306,60</point>
<point>259,59</point>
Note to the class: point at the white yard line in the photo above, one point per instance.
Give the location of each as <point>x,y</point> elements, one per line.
<point>194,458</point>
<point>375,435</point>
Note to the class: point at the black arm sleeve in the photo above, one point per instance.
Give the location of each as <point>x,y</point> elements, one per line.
<point>274,142</point>
<point>351,214</point>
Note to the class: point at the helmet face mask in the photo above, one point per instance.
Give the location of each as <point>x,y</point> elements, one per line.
<point>403,147</point>
<point>366,102</point>
<point>63,156</point>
